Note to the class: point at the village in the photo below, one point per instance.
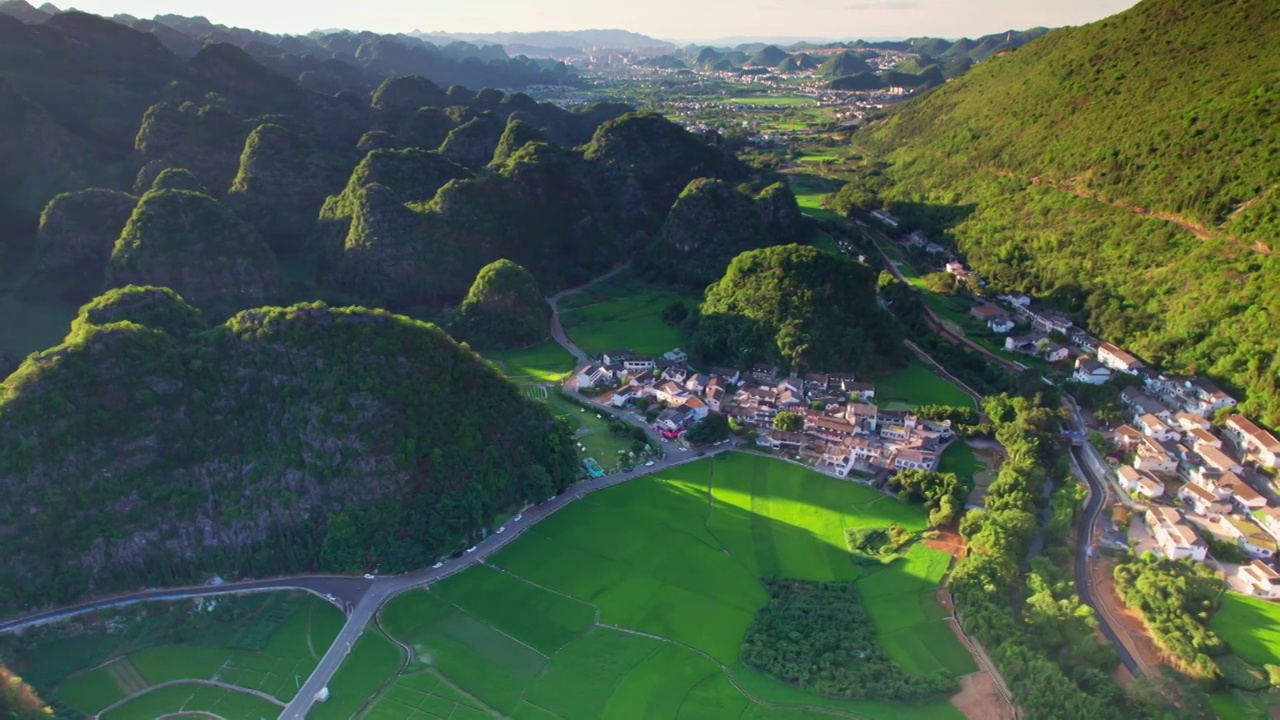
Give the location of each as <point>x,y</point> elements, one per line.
<point>828,421</point>
<point>1201,476</point>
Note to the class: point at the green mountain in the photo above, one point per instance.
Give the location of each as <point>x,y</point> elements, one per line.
<point>504,309</point>
<point>797,306</point>
<point>768,56</point>
<point>1125,170</point>
<point>77,234</point>
<point>286,439</point>
<point>842,64</point>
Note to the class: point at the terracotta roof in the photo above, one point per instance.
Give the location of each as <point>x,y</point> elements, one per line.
<point>1215,458</point>
<point>1120,355</point>
<point>1257,434</point>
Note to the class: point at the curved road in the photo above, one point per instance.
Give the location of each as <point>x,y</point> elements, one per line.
<point>557,329</point>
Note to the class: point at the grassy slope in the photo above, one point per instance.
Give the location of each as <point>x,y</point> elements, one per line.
<point>918,385</point>
<point>1167,107</point>
<point>649,557</point>
<point>620,315</point>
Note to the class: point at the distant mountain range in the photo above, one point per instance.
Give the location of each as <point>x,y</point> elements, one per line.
<point>553,39</point>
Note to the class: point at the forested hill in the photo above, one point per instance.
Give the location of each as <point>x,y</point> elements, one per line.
<point>1128,169</point>
<point>152,449</point>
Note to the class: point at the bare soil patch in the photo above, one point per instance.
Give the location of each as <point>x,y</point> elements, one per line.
<point>948,541</point>
<point>980,699</point>
<point>1127,622</point>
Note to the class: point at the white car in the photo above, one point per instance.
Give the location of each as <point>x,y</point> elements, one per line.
<point>437,566</point>
<point>472,548</point>
<point>684,449</point>
<point>649,464</point>
<point>500,530</point>
<point>331,598</point>
<point>518,518</point>
<point>368,576</point>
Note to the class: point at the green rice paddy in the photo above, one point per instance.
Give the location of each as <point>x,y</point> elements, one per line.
<point>271,651</point>
<point>633,602</point>
<point>915,385</point>
<point>622,314</point>
<point>544,362</point>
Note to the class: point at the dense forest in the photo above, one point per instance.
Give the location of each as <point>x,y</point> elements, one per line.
<point>1125,170</point>
<point>1176,599</point>
<point>797,306</point>
<point>503,309</point>
<point>153,448</point>
<point>818,636</point>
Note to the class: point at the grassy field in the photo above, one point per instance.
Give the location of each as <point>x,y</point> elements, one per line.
<point>622,314</point>
<point>545,362</point>
<point>194,699</point>
<point>634,601</point>
<point>810,190</point>
<point>593,432</point>
<point>824,241</point>
<point>32,326</point>
<point>960,459</point>
<point>266,642</point>
<point>915,385</point>
<point>373,660</point>
<point>1251,627</point>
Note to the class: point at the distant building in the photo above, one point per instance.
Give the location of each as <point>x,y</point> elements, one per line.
<point>1262,579</point>
<point>1117,359</point>
<point>1091,372</point>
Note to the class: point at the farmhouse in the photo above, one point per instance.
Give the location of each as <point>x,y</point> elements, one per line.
<point>1091,371</point>
<point>1143,404</point>
<point>1053,352</point>
<point>1052,322</point>
<point>1000,325</point>
<point>1017,299</point>
<point>1029,344</point>
<point>1117,359</point>
<point>1255,441</point>
<point>1175,537</point>
<point>1262,579</point>
<point>986,312</point>
<point>1140,482</point>
<point>593,375</point>
<point>631,362</point>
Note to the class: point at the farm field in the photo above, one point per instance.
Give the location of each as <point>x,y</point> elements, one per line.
<point>372,661</point>
<point>810,191</point>
<point>622,314</point>
<point>195,699</point>
<point>266,643</point>
<point>788,100</point>
<point>592,432</point>
<point>544,362</point>
<point>634,601</point>
<point>1251,627</point>
<point>915,385</point>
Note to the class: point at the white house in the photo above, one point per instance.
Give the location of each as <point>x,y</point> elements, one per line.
<point>696,383</point>
<point>1149,456</point>
<point>593,375</point>
<point>1174,535</point>
<point>697,408</point>
<point>1186,421</point>
<point>1254,440</point>
<point>1000,325</point>
<point>1052,322</point>
<point>1263,580</point>
<point>676,355</point>
<point>1199,437</point>
<point>1154,427</point>
<point>1215,459</point>
<point>1251,536</point>
<point>1198,497</point>
<point>1117,359</point>
<point>1053,352</point>
<point>1016,299</point>
<point>1140,482</point>
<point>730,375</point>
<point>631,362</point>
<point>1091,372</point>
<point>914,460</point>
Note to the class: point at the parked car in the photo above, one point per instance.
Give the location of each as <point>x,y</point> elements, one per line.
<point>649,464</point>
<point>472,548</point>
<point>518,517</point>
<point>368,576</point>
<point>501,530</point>
<point>437,566</point>
<point>700,454</point>
<point>456,554</point>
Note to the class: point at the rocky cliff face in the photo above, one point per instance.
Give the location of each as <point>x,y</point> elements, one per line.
<point>644,161</point>
<point>472,144</point>
<point>708,226</point>
<point>177,179</point>
<point>77,233</point>
<point>206,140</point>
<point>504,309</point>
<point>196,245</point>
<point>283,181</point>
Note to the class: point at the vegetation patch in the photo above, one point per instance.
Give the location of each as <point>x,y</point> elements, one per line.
<point>878,546</point>
<point>623,314</point>
<point>818,636</point>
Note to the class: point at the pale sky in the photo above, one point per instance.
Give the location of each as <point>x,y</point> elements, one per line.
<point>684,20</point>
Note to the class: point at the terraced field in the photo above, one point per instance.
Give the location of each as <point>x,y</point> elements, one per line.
<point>633,602</point>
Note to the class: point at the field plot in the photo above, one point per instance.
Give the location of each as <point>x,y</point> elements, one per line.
<point>544,362</point>
<point>634,601</point>
<point>915,385</point>
<point>622,314</point>
<point>1251,627</point>
<point>811,190</point>
<point>592,432</point>
<point>264,642</point>
<point>195,699</point>
<point>372,661</point>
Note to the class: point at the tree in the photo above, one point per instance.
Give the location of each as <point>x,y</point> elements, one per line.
<point>713,428</point>
<point>675,313</point>
<point>788,422</point>
<point>940,282</point>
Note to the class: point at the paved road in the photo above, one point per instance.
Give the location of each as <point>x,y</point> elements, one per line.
<point>557,329</point>
<point>346,588</point>
<point>1086,530</point>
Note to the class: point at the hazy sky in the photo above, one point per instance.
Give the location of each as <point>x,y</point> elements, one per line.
<point>668,19</point>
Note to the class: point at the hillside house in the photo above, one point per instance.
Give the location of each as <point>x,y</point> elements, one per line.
<point>816,381</point>
<point>1141,404</point>
<point>1017,299</point>
<point>1175,537</point>
<point>1053,352</point>
<point>1197,437</point>
<point>764,373</point>
<point>1000,325</point>
<point>730,375</point>
<point>955,267</point>
<point>914,460</point>
<point>1251,536</point>
<point>1083,340</point>
<point>593,375</point>
<point>1262,579</point>
<point>1241,494</point>
<point>1150,456</point>
<point>696,383</point>
<point>1211,458</point>
<point>987,312</point>
<point>1090,371</point>
<point>1117,359</point>
<point>1200,395</point>
<point>1127,437</point>
<point>1185,421</point>
<point>1049,321</point>
<point>1140,482</point>
<point>676,355</point>
<point>1253,440</point>
<point>631,362</point>
<point>1202,500</point>
<point>1028,344</point>
<point>1154,427</point>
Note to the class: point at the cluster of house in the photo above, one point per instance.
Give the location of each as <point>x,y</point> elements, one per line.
<point>1172,440</point>
<point>843,430</point>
